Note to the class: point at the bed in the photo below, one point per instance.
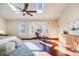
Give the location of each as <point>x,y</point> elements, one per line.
<point>8,44</point>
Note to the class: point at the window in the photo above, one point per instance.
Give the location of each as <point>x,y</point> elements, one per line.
<point>23,29</point>
<point>40,7</point>
<point>41,27</point>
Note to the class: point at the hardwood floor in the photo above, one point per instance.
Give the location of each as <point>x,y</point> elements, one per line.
<point>52,47</point>
<point>49,47</point>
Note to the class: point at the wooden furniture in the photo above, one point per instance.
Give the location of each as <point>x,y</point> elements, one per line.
<point>40,36</point>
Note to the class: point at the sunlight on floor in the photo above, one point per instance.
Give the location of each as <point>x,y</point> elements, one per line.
<point>34,48</point>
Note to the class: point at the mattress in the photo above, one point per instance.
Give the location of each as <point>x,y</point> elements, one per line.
<point>2,37</point>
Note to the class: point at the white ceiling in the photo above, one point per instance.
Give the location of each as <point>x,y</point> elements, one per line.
<point>51,11</point>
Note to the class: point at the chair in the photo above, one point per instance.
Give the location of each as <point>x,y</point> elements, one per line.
<point>40,37</point>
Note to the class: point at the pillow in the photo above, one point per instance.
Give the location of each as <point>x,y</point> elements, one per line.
<point>7,48</point>
<point>2,37</point>
<point>10,47</point>
<point>2,49</point>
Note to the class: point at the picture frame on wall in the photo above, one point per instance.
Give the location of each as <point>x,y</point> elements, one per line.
<point>74,27</point>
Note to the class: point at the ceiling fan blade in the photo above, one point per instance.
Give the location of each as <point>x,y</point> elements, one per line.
<point>32,11</point>
<point>24,11</point>
<point>16,6</point>
<point>29,14</point>
<point>25,6</point>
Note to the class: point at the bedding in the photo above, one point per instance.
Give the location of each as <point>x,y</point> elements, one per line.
<point>2,37</point>
<point>8,44</point>
<point>10,39</point>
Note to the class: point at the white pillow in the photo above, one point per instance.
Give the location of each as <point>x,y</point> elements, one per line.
<point>10,47</point>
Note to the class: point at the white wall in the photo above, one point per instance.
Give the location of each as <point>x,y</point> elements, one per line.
<point>70,15</point>
<point>13,28</point>
<point>3,25</point>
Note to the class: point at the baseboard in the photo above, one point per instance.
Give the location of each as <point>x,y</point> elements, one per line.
<point>34,38</point>
<point>53,38</point>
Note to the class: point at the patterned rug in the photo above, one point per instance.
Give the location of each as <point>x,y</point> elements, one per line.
<point>28,48</point>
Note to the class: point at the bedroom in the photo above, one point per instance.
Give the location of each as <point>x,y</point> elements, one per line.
<point>55,19</point>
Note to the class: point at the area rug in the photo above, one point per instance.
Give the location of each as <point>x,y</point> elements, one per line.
<point>28,48</point>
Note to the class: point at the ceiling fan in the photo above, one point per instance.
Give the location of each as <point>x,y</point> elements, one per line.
<point>24,9</point>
